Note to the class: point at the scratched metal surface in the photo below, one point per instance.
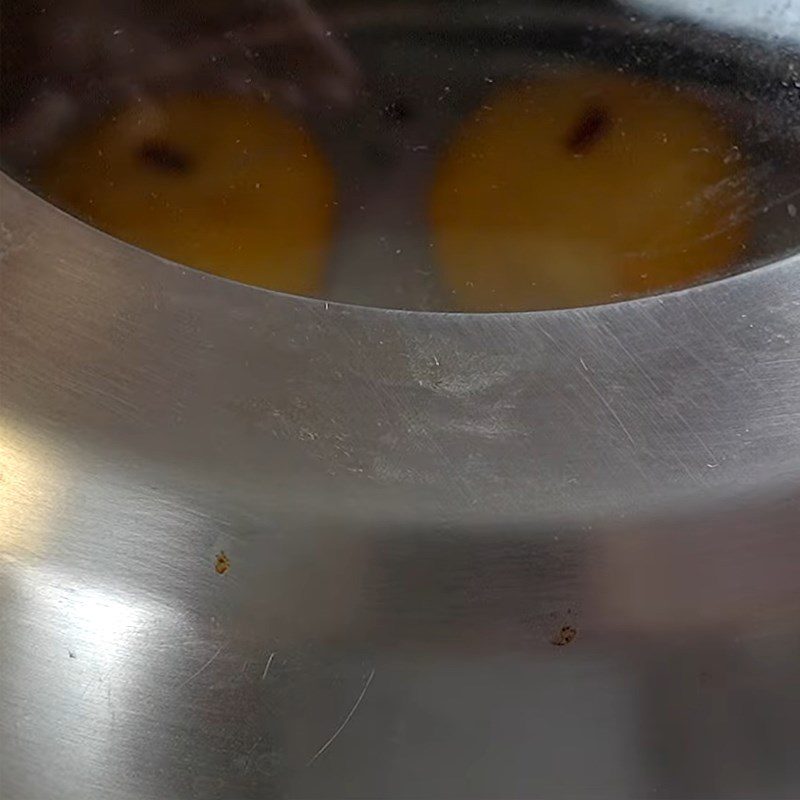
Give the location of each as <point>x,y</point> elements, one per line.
<point>535,555</point>
<point>413,506</point>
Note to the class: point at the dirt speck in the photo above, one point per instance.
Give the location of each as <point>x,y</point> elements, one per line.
<point>593,125</point>
<point>164,157</point>
<point>564,636</point>
<point>398,111</point>
<point>71,654</point>
<point>222,563</point>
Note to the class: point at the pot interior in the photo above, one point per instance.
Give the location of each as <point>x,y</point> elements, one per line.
<point>384,90</point>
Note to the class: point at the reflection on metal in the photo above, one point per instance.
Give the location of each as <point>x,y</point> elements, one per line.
<point>398,578</point>
<point>533,555</point>
<point>27,470</point>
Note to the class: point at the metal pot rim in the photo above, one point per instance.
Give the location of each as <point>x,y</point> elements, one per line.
<point>544,415</point>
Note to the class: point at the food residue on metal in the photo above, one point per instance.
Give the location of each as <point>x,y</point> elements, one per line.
<point>564,636</point>
<point>222,564</point>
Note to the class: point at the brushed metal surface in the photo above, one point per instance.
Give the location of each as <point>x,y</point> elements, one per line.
<point>254,546</point>
<point>420,511</point>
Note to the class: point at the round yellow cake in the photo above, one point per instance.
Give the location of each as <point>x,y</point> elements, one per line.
<point>582,189</point>
<point>229,185</point>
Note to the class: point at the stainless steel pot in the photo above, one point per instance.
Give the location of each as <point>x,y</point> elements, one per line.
<point>255,545</point>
